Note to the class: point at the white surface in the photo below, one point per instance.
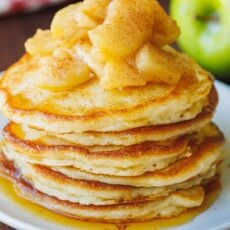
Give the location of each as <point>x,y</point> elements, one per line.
<point>216,217</point>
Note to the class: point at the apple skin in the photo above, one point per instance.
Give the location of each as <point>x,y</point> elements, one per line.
<point>205,26</point>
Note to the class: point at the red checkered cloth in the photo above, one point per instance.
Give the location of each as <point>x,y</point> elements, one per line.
<point>12,6</point>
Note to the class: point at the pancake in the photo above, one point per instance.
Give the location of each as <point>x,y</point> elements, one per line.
<point>89,107</point>
<point>128,161</point>
<point>88,192</point>
<point>133,160</point>
<point>73,185</point>
<point>148,133</point>
<point>166,206</point>
<point>206,155</point>
<point>170,206</point>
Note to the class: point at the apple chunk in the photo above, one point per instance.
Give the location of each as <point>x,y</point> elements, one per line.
<point>158,64</point>
<point>120,74</point>
<point>95,9</point>
<point>62,72</point>
<point>64,27</point>
<point>127,26</point>
<point>165,29</point>
<point>40,44</point>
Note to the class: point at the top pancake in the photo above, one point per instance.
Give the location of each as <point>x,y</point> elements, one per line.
<point>147,133</point>
<point>89,107</point>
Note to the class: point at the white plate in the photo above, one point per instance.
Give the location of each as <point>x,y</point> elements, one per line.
<point>216,217</point>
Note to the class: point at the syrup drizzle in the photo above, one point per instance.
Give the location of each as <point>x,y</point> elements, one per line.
<point>7,187</point>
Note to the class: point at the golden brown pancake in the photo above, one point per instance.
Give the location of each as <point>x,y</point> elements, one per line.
<point>89,107</point>
<point>123,161</point>
<point>148,133</point>
<point>165,206</point>
<point>89,192</point>
<point>170,206</point>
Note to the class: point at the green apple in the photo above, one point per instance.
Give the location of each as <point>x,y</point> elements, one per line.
<point>205,32</point>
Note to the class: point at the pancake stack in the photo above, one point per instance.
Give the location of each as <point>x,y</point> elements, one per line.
<point>106,130</point>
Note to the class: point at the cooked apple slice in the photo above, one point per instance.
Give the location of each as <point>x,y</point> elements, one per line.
<point>83,53</point>
<point>40,44</point>
<point>158,64</point>
<point>84,21</point>
<point>64,27</point>
<point>165,29</point>
<point>120,74</point>
<point>62,72</point>
<point>95,9</point>
<point>127,26</point>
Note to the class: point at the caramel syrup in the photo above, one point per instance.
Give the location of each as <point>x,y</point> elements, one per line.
<point>7,187</point>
